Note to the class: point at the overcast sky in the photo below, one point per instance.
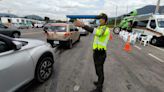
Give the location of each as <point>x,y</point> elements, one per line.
<point>58,9</point>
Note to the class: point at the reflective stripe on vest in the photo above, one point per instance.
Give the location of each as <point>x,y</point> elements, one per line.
<point>100,42</point>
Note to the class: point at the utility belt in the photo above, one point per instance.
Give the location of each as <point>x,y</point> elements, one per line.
<point>99,50</point>
<point>99,53</point>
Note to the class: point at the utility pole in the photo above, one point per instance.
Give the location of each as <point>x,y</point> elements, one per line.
<point>157,7</point>
<point>127,9</point>
<point>115,24</point>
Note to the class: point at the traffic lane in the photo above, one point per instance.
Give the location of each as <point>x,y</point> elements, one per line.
<point>72,66</point>
<point>69,68</point>
<point>152,51</point>
<point>124,72</point>
<point>134,71</point>
<point>156,52</point>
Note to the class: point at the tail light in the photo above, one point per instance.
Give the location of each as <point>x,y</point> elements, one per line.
<point>67,34</point>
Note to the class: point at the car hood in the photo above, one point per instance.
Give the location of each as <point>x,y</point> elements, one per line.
<point>31,42</point>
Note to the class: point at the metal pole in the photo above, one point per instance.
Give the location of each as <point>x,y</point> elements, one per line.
<point>157,7</point>
<point>115,24</point>
<point>127,9</point>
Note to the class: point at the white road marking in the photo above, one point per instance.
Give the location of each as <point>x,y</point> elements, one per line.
<point>31,33</point>
<point>156,57</point>
<point>76,88</point>
<point>157,48</point>
<point>137,47</point>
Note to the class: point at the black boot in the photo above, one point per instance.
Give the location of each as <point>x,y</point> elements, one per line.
<point>95,83</point>
<point>96,90</point>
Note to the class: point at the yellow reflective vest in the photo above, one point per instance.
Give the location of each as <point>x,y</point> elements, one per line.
<point>101,37</point>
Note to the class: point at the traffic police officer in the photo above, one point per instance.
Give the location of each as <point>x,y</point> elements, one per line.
<point>101,37</point>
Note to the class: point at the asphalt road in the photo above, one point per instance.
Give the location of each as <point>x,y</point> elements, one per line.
<point>140,70</point>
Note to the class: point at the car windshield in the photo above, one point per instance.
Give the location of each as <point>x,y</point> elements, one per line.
<point>161,23</point>
<point>57,28</point>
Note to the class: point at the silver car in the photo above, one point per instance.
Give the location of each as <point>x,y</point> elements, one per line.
<point>62,33</point>
<point>22,60</point>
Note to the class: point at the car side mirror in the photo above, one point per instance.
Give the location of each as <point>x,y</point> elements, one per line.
<point>18,45</point>
<point>76,29</point>
<point>5,27</point>
<point>71,30</point>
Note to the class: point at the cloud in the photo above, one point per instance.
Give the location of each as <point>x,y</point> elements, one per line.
<point>125,6</point>
<point>61,8</point>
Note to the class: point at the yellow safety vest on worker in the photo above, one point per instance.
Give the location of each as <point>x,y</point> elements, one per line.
<point>101,37</point>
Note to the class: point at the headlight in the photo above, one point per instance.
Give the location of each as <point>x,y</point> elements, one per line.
<point>48,44</point>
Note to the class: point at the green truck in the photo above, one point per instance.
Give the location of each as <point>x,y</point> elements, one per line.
<point>126,23</point>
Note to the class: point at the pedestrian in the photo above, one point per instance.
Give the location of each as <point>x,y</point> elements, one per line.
<point>101,37</point>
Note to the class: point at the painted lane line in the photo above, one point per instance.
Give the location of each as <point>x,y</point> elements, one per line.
<point>76,88</point>
<point>31,33</point>
<point>156,57</point>
<point>158,48</point>
<point>137,47</point>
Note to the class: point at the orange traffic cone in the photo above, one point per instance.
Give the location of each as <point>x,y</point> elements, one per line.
<point>110,37</point>
<point>127,46</point>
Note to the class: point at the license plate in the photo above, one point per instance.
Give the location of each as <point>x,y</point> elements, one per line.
<point>56,42</point>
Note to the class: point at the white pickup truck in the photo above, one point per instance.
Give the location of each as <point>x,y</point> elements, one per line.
<point>151,24</point>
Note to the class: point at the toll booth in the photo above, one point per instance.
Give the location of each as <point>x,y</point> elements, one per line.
<point>82,17</point>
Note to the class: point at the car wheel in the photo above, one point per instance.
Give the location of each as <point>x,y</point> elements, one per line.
<point>154,41</point>
<point>70,44</point>
<point>44,69</point>
<point>16,35</point>
<point>116,30</point>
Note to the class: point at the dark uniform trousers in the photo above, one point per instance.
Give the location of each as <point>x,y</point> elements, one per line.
<point>99,57</point>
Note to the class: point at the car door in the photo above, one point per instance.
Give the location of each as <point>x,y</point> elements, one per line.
<point>7,32</point>
<point>16,67</point>
<point>72,31</point>
<point>4,30</point>
<point>77,34</point>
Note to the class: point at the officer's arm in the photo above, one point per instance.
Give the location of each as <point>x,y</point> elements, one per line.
<point>93,30</point>
<point>98,33</point>
<point>89,29</point>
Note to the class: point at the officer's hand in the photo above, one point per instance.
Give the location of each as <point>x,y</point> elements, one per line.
<point>79,23</point>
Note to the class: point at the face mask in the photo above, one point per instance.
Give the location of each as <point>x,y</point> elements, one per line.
<point>98,22</point>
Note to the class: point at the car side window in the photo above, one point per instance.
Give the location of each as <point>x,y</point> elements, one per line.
<point>3,46</point>
<point>153,24</point>
<point>142,23</point>
<point>76,29</point>
<point>71,28</point>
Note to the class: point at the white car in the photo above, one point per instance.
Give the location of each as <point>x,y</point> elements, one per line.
<point>38,25</point>
<point>83,32</point>
<point>22,60</point>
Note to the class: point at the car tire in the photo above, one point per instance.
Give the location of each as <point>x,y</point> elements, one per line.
<point>116,30</point>
<point>44,69</point>
<point>154,41</point>
<point>16,35</point>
